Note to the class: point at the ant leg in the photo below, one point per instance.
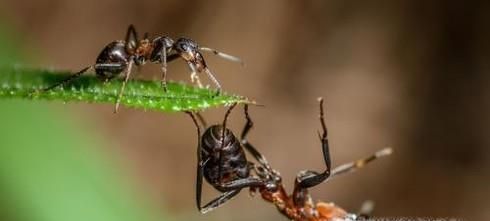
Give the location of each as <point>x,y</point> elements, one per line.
<point>201,119</point>
<point>242,183</point>
<point>251,149</point>
<point>121,91</point>
<point>164,69</point>
<point>215,81</point>
<point>131,38</point>
<point>223,55</point>
<point>307,179</point>
<point>67,80</point>
<point>232,188</point>
<point>352,166</point>
<point>200,164</point>
<point>227,114</point>
<point>165,60</point>
<point>218,201</point>
<point>194,76</point>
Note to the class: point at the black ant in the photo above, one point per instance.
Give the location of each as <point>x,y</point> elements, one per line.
<point>223,163</point>
<point>119,56</point>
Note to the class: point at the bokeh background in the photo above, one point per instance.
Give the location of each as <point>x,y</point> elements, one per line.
<point>410,74</point>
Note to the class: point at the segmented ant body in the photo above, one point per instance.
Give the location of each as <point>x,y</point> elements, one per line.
<point>223,163</point>
<point>299,205</point>
<point>119,57</point>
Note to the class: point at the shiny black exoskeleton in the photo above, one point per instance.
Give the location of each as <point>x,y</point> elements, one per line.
<point>224,157</point>
<point>223,163</point>
<point>112,61</point>
<point>119,56</point>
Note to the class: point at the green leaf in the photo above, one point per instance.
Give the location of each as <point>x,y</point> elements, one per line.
<point>21,82</point>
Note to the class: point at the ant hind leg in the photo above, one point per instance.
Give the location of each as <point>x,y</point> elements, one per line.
<point>67,80</point>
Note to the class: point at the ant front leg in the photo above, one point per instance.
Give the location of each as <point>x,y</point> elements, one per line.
<point>215,81</point>
<point>194,76</point>
<point>307,179</point>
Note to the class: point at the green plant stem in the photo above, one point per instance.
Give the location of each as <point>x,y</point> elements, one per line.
<point>26,83</point>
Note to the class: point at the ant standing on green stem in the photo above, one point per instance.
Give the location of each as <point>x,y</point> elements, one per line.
<point>120,56</point>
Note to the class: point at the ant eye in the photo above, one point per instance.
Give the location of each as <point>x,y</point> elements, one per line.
<point>183,46</point>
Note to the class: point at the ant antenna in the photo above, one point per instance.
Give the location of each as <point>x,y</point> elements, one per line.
<point>223,55</point>
<point>352,166</point>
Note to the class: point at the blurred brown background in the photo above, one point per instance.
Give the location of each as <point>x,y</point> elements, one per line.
<point>410,74</point>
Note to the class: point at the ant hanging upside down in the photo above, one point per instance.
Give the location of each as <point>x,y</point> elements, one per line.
<point>119,56</point>
<point>222,162</point>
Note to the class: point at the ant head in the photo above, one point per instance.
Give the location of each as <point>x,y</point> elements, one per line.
<point>187,48</point>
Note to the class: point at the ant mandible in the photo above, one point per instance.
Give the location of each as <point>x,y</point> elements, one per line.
<point>222,161</point>
<point>119,56</point>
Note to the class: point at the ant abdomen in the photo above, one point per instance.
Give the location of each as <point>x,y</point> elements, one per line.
<point>213,140</point>
<point>227,160</point>
<point>112,60</point>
